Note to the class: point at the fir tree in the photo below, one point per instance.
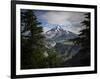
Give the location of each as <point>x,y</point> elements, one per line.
<point>83,57</point>
<point>33,50</point>
<point>32,44</point>
<point>85,40</point>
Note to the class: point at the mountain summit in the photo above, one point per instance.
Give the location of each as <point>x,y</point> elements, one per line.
<point>58,33</point>
<point>59,39</point>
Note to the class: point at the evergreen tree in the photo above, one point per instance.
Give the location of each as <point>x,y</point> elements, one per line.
<point>32,44</point>
<point>34,54</point>
<point>83,57</point>
<point>54,59</point>
<point>85,40</point>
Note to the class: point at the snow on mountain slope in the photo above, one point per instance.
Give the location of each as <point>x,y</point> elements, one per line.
<point>58,32</point>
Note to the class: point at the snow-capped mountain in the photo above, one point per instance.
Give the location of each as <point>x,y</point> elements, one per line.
<point>58,39</point>
<point>59,33</point>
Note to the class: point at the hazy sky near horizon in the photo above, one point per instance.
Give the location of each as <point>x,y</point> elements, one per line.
<point>70,21</point>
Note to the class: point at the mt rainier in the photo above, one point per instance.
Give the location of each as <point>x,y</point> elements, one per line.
<point>58,35</point>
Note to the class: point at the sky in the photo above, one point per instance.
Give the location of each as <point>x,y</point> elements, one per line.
<point>70,21</point>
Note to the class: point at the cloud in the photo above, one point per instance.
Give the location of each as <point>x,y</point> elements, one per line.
<point>63,18</point>
<point>68,20</point>
<point>45,29</point>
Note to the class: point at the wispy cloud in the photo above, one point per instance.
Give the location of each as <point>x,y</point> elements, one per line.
<point>62,18</point>
<point>68,20</point>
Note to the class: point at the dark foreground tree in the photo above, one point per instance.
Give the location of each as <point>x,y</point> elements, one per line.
<point>34,54</point>
<point>32,44</point>
<point>83,57</point>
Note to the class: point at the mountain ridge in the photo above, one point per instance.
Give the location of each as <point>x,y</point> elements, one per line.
<point>58,35</point>
<point>58,32</point>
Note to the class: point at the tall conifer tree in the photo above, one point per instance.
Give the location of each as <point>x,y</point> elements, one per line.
<point>82,58</point>
<point>32,44</point>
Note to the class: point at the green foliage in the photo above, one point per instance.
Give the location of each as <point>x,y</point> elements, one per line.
<point>84,41</point>
<point>33,44</point>
<point>54,58</point>
<point>85,33</point>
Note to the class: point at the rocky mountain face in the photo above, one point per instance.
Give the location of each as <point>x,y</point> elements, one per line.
<point>59,39</point>
<point>58,35</point>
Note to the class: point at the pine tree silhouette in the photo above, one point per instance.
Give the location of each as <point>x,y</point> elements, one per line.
<point>32,44</point>
<point>82,58</point>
